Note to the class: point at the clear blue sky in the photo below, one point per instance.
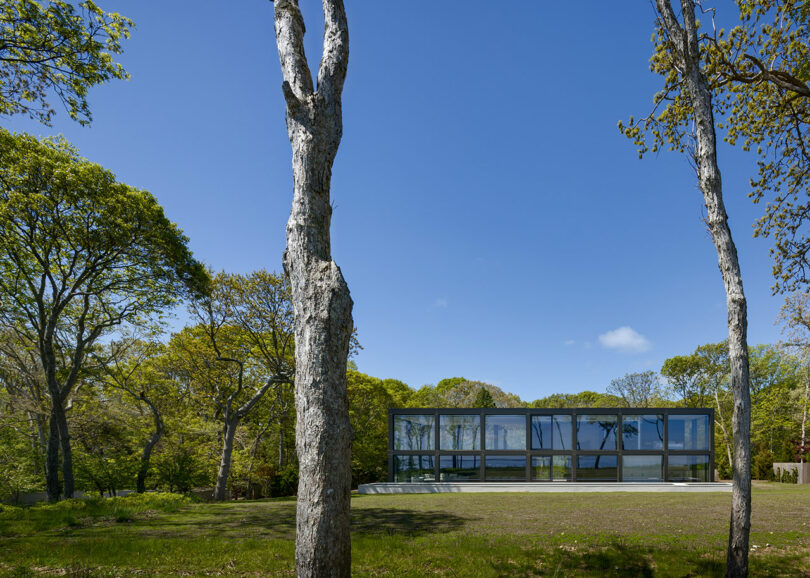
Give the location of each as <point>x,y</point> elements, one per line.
<point>489,218</point>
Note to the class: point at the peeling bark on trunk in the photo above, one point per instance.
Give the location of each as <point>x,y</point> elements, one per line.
<point>685,41</point>
<point>321,301</point>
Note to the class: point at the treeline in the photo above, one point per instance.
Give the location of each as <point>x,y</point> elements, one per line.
<point>97,395</point>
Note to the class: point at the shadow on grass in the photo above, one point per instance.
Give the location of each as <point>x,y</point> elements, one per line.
<point>394,521</point>
<point>622,560</point>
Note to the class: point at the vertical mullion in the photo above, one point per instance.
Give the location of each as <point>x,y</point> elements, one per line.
<point>481,470</point>
<point>666,445</point>
<point>436,446</point>
<point>391,446</point>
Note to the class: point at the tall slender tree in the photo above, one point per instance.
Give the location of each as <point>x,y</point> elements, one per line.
<point>687,122</point>
<point>321,302</point>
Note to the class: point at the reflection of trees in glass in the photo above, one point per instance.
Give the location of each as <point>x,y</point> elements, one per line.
<point>541,424</point>
<point>460,467</point>
<point>606,423</point>
<point>561,434</point>
<point>460,432</point>
<point>409,467</point>
<point>561,468</point>
<point>413,433</point>
<point>506,432</point>
<point>634,429</point>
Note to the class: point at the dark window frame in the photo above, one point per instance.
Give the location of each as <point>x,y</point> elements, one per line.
<point>665,452</point>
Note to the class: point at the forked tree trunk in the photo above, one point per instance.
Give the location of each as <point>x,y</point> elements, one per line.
<point>320,296</point>
<point>685,42</point>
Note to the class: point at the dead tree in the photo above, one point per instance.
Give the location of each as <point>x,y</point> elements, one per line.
<point>321,302</point>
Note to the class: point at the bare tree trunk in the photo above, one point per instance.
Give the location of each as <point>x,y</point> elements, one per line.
<point>804,413</point>
<point>321,302</point>
<point>685,41</point>
<point>67,453</point>
<point>52,461</point>
<point>146,456</point>
<point>221,489</point>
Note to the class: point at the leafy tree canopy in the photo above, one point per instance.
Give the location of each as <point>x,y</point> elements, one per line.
<point>81,251</point>
<point>56,49</point>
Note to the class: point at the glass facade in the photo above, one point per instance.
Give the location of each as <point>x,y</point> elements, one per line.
<point>596,432</point>
<point>598,468</point>
<point>505,467</point>
<point>643,468</point>
<point>551,445</point>
<point>689,432</point>
<point>551,432</point>
<point>462,468</point>
<point>643,432</point>
<point>460,432</point>
<point>414,469</point>
<point>505,432</point>
<point>413,432</point>
<point>688,468</point>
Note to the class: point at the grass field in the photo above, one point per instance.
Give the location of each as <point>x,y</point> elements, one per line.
<point>609,534</point>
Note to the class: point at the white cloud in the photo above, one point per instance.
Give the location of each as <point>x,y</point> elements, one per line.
<point>624,339</point>
<point>569,342</point>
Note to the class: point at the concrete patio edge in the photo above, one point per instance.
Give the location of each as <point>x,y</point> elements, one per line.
<point>450,487</point>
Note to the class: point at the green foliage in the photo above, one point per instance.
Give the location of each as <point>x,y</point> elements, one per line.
<point>285,482</point>
<point>483,399</point>
<point>639,390</point>
<point>582,399</point>
<point>58,50</point>
<point>461,392</point>
<point>758,73</point>
<point>762,464</point>
<point>106,250</point>
<point>369,401</point>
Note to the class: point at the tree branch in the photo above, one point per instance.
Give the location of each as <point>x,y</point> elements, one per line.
<point>335,59</point>
<point>290,31</point>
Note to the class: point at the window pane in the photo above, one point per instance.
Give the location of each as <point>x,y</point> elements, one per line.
<point>414,469</point>
<point>561,468</point>
<point>459,468</point>
<point>643,432</point>
<point>460,432</point>
<point>596,468</point>
<point>642,469</point>
<point>561,432</point>
<point>541,432</point>
<point>689,468</point>
<point>506,432</point>
<point>506,467</point>
<point>689,432</point>
<point>541,468</point>
<point>413,432</point>
<point>596,432</point>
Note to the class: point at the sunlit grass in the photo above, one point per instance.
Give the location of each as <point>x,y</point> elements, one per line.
<point>609,534</point>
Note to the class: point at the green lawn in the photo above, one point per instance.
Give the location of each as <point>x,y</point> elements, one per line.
<point>621,534</point>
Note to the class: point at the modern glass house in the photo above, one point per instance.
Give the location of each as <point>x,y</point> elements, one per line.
<point>545,445</point>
